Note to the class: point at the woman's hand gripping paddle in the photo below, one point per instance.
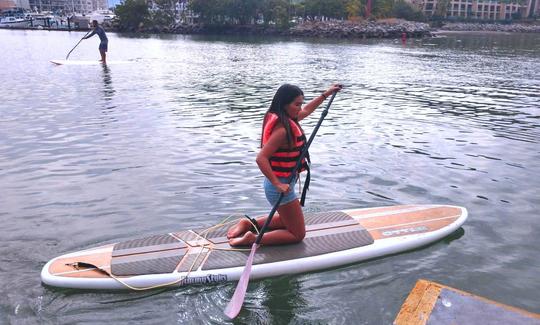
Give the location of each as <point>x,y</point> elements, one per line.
<point>234,306</point>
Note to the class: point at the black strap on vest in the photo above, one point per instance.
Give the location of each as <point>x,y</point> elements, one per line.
<point>306,186</point>
<point>304,165</point>
<point>308,178</point>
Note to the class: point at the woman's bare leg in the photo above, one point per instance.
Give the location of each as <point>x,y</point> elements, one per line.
<point>245,225</point>
<point>291,217</point>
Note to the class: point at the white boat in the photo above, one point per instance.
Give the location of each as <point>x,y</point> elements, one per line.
<point>47,20</point>
<point>101,16</point>
<point>14,22</point>
<point>80,21</point>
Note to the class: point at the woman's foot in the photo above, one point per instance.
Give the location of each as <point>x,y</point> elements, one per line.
<point>246,240</point>
<point>239,229</point>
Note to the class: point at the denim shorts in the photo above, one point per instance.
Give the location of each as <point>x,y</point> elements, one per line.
<point>272,194</point>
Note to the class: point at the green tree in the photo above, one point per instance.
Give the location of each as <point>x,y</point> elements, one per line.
<point>245,11</point>
<point>327,8</point>
<point>208,10</point>
<point>354,8</point>
<point>132,14</point>
<point>227,11</point>
<point>165,15</point>
<point>276,11</point>
<point>405,11</point>
<point>382,8</point>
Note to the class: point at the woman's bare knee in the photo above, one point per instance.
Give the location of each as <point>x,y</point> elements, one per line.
<point>300,235</point>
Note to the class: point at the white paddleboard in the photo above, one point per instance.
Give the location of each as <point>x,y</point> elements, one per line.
<point>85,62</point>
<point>203,256</point>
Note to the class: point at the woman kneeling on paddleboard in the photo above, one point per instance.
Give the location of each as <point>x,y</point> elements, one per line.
<point>281,146</point>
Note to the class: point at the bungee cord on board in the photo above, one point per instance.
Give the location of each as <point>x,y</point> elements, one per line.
<point>206,246</point>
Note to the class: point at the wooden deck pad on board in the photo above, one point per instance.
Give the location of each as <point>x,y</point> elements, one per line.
<point>407,220</point>
<point>152,255</point>
<point>418,215</point>
<point>430,303</point>
<point>339,240</point>
<point>313,221</point>
<point>327,232</point>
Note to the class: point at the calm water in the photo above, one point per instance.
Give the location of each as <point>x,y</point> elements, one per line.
<point>167,140</point>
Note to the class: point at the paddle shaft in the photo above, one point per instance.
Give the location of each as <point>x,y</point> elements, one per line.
<point>296,169</point>
<point>67,56</point>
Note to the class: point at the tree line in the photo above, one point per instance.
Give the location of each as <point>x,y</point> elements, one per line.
<point>282,13</point>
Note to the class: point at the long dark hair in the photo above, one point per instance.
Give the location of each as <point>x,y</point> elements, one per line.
<point>283,97</point>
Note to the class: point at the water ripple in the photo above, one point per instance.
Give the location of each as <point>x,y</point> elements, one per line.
<point>92,155</point>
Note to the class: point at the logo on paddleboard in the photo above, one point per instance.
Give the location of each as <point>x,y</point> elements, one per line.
<point>211,278</point>
<point>404,231</point>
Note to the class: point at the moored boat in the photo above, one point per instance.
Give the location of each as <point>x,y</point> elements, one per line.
<point>11,21</point>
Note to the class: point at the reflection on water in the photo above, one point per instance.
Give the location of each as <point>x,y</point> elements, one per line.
<point>282,301</point>
<point>455,236</point>
<point>108,90</point>
<point>490,43</point>
<point>97,154</point>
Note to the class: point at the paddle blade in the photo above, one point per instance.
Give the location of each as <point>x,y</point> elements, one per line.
<point>234,306</point>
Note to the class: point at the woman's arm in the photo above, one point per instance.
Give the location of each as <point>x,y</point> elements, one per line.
<point>276,140</point>
<point>314,103</point>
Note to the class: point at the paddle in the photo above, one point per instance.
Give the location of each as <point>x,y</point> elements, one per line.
<point>67,56</point>
<point>234,306</point>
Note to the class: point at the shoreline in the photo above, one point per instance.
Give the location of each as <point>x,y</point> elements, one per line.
<point>48,29</point>
<point>485,32</point>
<point>387,28</point>
<point>490,28</point>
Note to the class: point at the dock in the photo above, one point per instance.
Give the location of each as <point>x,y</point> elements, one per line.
<point>431,303</point>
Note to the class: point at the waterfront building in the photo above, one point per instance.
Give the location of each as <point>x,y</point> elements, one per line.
<point>533,8</point>
<point>479,9</point>
<point>68,6</point>
<point>9,4</point>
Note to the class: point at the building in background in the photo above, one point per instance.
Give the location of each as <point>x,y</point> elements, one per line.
<point>467,9</point>
<point>67,6</point>
<point>479,9</point>
<point>533,8</point>
<point>11,4</point>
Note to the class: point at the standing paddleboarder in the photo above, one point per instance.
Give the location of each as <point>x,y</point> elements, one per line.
<point>104,41</point>
<point>281,145</point>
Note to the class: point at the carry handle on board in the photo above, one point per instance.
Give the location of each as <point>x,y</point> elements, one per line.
<point>234,306</point>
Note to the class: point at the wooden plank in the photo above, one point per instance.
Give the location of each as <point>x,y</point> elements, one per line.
<point>491,302</point>
<point>419,304</point>
<point>411,303</point>
<point>429,299</point>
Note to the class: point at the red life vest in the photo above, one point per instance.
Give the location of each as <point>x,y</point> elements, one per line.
<point>284,160</point>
